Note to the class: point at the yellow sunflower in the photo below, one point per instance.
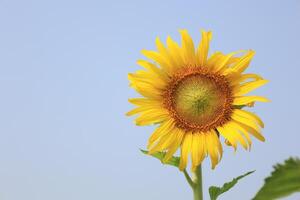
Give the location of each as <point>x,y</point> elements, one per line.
<point>194,99</point>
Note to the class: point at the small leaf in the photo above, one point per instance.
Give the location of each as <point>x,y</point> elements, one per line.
<point>239,106</point>
<point>174,161</point>
<point>284,181</point>
<point>214,191</point>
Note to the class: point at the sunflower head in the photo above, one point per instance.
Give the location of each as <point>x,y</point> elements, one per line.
<point>195,99</point>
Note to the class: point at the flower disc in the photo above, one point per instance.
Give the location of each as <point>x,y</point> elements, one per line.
<point>199,101</point>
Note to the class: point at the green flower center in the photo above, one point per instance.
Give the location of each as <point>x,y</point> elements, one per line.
<point>199,101</point>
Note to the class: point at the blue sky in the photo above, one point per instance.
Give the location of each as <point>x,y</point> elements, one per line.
<point>64,91</point>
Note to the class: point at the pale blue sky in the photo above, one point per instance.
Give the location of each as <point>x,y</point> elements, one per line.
<point>64,91</point>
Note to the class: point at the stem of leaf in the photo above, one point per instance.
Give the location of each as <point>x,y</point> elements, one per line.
<point>188,178</point>
<point>195,184</point>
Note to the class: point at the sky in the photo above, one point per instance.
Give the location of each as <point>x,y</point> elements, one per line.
<point>64,90</point>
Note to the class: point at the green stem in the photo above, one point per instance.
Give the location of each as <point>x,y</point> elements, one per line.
<point>195,184</point>
<point>197,188</point>
<point>188,178</point>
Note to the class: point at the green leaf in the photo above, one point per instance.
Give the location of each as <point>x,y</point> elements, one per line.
<point>214,191</point>
<point>174,161</point>
<point>239,106</point>
<point>284,180</point>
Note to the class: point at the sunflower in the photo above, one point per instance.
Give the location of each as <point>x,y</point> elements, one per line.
<point>194,99</point>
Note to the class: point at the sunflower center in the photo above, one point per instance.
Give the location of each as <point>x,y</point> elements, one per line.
<point>198,100</point>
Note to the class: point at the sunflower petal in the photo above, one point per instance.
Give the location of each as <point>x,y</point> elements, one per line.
<point>235,133</point>
<point>157,57</point>
<point>163,143</point>
<point>214,148</point>
<point>188,48</point>
<point>203,48</point>
<point>146,90</point>
<point>144,101</point>
<point>250,116</point>
<point>249,122</point>
<point>211,62</point>
<point>142,109</point>
<point>248,87</point>
<point>243,131</point>
<point>198,149</point>
<point>225,132</point>
<point>174,146</point>
<point>160,131</point>
<point>237,79</point>
<point>256,133</point>
<point>150,117</point>
<point>175,52</point>
<point>137,79</point>
<point>242,64</point>
<point>165,53</point>
<point>248,99</point>
<point>185,150</point>
<point>153,68</point>
<point>223,61</point>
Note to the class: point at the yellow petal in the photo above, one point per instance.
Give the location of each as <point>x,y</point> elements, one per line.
<point>214,148</point>
<point>157,57</point>
<point>146,77</point>
<point>223,61</point>
<point>147,90</point>
<point>231,128</point>
<point>233,60</point>
<point>228,136</point>
<point>245,121</point>
<point>144,102</point>
<point>185,150</point>
<point>175,52</point>
<point>248,99</point>
<point>153,68</point>
<point>250,116</point>
<point>256,133</point>
<point>218,144</point>
<point>198,151</point>
<point>150,117</point>
<point>211,62</point>
<point>161,48</point>
<point>160,131</point>
<point>188,47</point>
<point>248,87</point>
<point>242,64</point>
<point>164,52</point>
<point>164,142</point>
<point>143,108</point>
<point>203,48</point>
<point>137,79</point>
<point>174,146</point>
<point>237,79</point>
<point>244,132</point>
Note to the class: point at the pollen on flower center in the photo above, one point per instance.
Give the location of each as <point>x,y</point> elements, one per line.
<point>198,100</point>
